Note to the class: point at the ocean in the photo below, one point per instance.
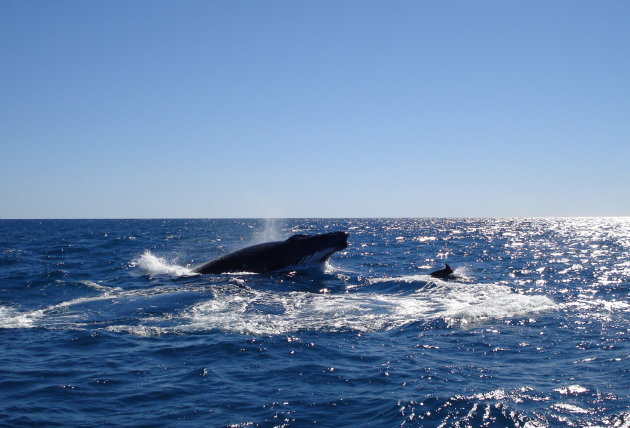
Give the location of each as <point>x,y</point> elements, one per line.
<point>104,323</point>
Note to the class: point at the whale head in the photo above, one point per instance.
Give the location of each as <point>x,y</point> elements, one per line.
<point>316,249</point>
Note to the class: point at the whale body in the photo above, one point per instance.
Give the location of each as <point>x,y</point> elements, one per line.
<point>296,252</point>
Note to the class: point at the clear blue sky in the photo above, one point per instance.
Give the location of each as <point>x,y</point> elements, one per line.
<point>314,108</point>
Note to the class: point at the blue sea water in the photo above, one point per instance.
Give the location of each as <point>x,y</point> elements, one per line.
<point>103,322</point>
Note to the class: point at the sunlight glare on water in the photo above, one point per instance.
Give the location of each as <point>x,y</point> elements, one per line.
<point>533,331</point>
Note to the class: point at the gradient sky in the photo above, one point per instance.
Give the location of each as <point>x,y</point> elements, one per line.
<point>350,108</point>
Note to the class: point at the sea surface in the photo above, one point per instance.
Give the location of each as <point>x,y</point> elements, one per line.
<point>104,323</point>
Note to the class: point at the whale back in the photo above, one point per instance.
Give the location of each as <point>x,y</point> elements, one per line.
<point>295,251</point>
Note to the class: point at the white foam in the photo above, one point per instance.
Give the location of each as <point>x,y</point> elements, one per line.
<point>154,266</point>
<point>461,274</point>
<point>139,330</point>
<point>57,315</point>
<point>572,390</point>
<point>99,287</point>
<point>468,303</point>
<point>11,318</point>
<point>51,316</point>
<point>404,278</point>
<point>239,308</point>
<point>249,312</point>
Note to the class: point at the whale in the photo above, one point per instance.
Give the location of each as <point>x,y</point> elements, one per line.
<point>295,253</point>
<point>442,273</point>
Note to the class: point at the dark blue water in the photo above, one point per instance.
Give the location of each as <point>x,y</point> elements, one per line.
<point>102,322</point>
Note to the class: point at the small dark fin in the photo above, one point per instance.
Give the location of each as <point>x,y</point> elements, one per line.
<point>442,273</point>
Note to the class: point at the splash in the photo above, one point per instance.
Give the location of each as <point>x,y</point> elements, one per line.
<point>155,266</point>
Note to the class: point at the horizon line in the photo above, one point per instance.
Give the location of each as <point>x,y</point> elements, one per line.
<point>314,218</point>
